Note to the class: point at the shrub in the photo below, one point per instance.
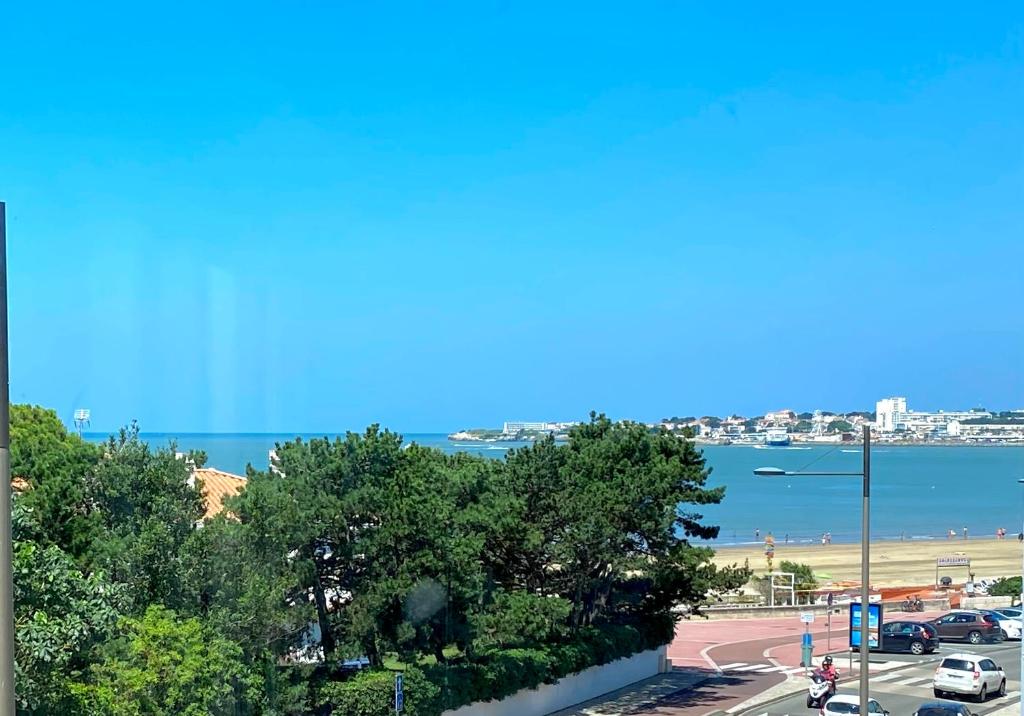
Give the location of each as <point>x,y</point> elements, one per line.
<point>372,693</point>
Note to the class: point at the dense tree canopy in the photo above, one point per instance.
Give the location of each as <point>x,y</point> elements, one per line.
<point>477,576</point>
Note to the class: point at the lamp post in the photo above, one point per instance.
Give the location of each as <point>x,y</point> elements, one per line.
<point>6,574</point>
<point>1021,482</point>
<point>865,548</point>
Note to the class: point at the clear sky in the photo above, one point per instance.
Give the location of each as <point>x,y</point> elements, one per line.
<point>310,216</point>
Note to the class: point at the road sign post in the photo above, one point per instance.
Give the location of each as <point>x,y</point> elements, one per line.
<point>828,623</point>
<point>399,693</point>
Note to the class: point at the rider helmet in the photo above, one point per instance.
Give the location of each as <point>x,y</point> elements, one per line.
<point>827,661</point>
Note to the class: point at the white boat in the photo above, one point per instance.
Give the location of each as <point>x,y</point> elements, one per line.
<point>776,437</point>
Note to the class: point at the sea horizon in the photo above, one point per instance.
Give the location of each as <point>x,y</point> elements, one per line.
<point>917,491</point>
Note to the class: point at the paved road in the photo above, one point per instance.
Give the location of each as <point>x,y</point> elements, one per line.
<point>901,691</point>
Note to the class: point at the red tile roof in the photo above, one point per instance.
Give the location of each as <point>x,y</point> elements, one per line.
<point>217,486</point>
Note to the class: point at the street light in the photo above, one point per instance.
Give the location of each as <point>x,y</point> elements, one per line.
<point>6,574</point>
<point>1021,482</point>
<point>865,544</point>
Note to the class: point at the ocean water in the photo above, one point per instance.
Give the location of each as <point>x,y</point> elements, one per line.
<point>918,493</point>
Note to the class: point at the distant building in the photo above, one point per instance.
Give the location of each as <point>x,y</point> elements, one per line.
<point>511,428</point>
<point>780,417</point>
<point>892,415</point>
<point>886,412</point>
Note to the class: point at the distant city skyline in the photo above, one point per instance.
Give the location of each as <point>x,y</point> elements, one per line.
<point>508,212</point>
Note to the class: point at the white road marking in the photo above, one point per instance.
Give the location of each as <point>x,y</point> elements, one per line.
<point>908,682</point>
<point>749,667</point>
<point>769,669</point>
<point>883,677</point>
<point>733,666</point>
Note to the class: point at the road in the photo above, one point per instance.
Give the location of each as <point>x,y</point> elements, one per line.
<point>902,690</point>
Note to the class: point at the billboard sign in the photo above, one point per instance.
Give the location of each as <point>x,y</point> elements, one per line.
<point>874,620</point>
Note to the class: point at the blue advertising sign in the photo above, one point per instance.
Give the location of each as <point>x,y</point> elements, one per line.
<point>399,693</point>
<point>874,620</point>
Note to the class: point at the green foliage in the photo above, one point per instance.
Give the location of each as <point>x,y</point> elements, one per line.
<point>840,426</point>
<point>802,426</point>
<point>149,508</point>
<point>520,618</point>
<point>489,575</point>
<point>164,666</point>
<point>372,693</point>
<point>58,467</point>
<point>60,613</point>
<point>803,575</point>
<point>1006,587</point>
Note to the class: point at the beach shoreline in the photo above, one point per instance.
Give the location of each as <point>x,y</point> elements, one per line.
<point>893,563</point>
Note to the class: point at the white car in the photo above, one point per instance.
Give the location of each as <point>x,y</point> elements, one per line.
<point>1012,628</point>
<point>969,675</point>
<point>847,704</point>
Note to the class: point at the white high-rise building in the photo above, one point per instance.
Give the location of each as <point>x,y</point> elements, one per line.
<point>889,413</point>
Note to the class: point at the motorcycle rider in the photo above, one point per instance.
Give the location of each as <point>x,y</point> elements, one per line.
<point>828,670</point>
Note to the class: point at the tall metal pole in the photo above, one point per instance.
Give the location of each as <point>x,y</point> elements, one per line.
<point>6,578</point>
<point>865,575</point>
<point>1022,607</point>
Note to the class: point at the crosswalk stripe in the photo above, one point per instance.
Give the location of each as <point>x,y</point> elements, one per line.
<point>733,665</point>
<point>908,682</point>
<point>797,670</point>
<point>1012,694</point>
<point>769,669</point>
<point>748,667</point>
<point>884,677</point>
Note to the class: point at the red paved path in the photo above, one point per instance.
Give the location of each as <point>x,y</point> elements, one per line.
<point>704,644</point>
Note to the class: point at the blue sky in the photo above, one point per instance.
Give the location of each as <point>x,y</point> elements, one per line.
<point>312,216</point>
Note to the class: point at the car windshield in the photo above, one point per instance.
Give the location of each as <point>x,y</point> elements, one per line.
<point>938,711</point>
<point>957,665</point>
<point>842,707</point>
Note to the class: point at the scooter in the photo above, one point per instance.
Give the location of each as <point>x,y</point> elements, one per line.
<point>819,690</point>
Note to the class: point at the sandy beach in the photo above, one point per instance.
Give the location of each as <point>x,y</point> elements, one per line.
<point>893,563</point>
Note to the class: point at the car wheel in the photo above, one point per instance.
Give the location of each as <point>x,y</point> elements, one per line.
<point>974,637</point>
<point>916,648</point>
<point>983,694</point>
<point>1002,688</point>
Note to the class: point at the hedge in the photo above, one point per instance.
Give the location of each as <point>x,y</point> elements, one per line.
<point>493,674</point>
<point>372,693</point>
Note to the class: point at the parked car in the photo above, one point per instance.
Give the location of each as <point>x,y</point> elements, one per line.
<point>943,708</point>
<point>969,675</point>
<point>1011,626</point>
<point>846,704</point>
<point>1013,613</point>
<point>973,627</point>
<point>915,637</point>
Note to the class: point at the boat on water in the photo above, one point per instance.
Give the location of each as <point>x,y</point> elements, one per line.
<point>776,437</point>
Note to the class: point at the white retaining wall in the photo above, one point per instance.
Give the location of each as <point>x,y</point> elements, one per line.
<point>985,602</point>
<point>581,686</point>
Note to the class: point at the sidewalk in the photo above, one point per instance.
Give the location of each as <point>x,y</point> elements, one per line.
<point>630,699</point>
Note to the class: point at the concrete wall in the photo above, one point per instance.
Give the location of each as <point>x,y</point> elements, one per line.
<point>819,610</point>
<point>582,686</point>
<point>985,602</point>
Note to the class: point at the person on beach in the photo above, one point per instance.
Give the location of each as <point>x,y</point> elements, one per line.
<point>1020,536</point>
<point>965,533</point>
<point>757,533</point>
<point>951,534</point>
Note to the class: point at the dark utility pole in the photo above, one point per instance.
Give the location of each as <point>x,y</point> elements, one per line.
<point>6,575</point>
